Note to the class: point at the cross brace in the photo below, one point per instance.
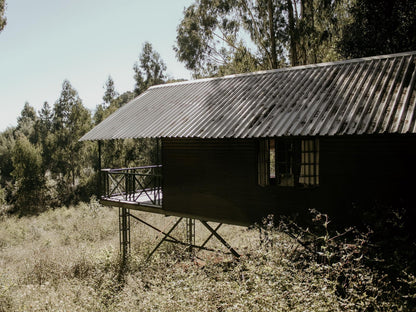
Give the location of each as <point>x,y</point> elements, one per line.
<point>167,237</point>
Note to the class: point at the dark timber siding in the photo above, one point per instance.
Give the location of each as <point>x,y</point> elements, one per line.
<point>217,179</point>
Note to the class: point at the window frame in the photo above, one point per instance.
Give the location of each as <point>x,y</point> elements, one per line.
<point>295,166</point>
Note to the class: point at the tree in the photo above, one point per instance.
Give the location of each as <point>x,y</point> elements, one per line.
<point>225,36</point>
<point>71,120</point>
<point>3,19</point>
<point>45,119</point>
<point>30,181</point>
<point>43,131</point>
<point>149,71</point>
<point>26,122</point>
<point>109,96</point>
<point>104,111</point>
<point>7,143</point>
<point>110,91</point>
<point>379,27</point>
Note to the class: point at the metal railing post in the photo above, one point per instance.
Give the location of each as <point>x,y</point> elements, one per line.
<point>139,182</point>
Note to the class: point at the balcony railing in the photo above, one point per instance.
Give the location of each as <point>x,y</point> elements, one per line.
<point>142,185</point>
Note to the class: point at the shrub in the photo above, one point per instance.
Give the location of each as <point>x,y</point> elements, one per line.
<point>368,275</point>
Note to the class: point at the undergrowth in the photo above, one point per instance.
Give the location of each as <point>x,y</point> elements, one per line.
<point>67,259</point>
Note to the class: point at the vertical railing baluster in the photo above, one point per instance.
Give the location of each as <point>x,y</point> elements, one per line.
<point>133,184</point>
<point>133,181</point>
<point>107,184</point>
<point>126,183</point>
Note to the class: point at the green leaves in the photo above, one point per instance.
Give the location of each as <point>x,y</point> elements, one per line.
<point>110,92</point>
<point>379,27</point>
<point>3,19</point>
<point>27,161</point>
<point>27,164</point>
<point>71,120</point>
<point>150,70</point>
<point>213,35</point>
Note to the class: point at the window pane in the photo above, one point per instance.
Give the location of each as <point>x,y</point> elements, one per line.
<point>309,174</point>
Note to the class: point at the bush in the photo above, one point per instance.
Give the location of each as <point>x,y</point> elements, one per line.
<point>371,271</point>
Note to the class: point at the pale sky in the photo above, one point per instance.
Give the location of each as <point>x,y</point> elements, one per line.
<point>84,41</point>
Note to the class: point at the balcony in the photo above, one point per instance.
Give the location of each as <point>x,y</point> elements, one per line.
<point>133,188</point>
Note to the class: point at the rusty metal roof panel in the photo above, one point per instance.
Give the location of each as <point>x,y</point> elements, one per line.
<point>361,96</point>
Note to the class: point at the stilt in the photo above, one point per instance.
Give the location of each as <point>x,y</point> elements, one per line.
<point>164,238</point>
<point>124,231</point>
<point>167,237</point>
<point>190,234</point>
<point>214,232</point>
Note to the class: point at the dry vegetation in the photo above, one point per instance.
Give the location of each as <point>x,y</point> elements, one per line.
<point>67,260</point>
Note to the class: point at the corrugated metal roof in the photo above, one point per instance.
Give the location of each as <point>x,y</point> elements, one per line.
<point>367,95</point>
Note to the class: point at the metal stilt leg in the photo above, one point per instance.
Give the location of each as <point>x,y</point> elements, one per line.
<point>124,223</point>
<point>190,233</point>
<point>124,231</point>
<point>214,232</point>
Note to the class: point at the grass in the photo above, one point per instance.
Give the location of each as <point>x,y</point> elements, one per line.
<point>67,259</point>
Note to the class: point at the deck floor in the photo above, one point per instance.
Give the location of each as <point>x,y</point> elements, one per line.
<point>140,198</point>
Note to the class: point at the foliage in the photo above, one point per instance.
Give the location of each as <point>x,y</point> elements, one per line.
<point>67,259</point>
<point>7,142</point>
<point>26,122</point>
<point>103,111</point>
<point>232,36</point>
<point>2,199</point>
<point>71,120</point>
<point>43,129</point>
<point>365,277</point>
<point>379,27</point>
<point>110,92</point>
<point>150,70</point>
<point>65,168</point>
<point>110,95</point>
<point>128,153</point>
<point>3,19</point>
<point>29,177</point>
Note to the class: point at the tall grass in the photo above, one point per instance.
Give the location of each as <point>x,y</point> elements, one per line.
<point>67,259</point>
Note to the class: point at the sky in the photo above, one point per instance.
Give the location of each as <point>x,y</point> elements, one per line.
<point>83,41</point>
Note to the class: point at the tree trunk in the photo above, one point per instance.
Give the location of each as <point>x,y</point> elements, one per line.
<point>272,34</point>
<point>292,35</point>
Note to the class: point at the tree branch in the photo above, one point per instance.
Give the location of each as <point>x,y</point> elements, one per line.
<point>257,33</point>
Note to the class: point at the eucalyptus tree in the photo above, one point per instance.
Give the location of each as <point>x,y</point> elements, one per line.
<point>44,135</point>
<point>149,70</point>
<point>71,120</point>
<point>110,94</point>
<point>26,122</point>
<point>220,36</point>
<point>379,27</point>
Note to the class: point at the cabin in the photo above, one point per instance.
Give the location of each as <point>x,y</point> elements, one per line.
<point>338,137</point>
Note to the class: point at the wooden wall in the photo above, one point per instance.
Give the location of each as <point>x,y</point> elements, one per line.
<point>217,179</point>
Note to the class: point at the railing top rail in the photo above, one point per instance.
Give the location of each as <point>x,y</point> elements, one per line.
<point>132,168</point>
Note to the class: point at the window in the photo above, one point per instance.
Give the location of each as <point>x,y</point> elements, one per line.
<point>288,162</point>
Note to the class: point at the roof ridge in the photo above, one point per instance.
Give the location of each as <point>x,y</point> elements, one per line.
<point>289,68</point>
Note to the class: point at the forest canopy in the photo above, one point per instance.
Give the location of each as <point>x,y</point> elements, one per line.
<point>43,165</point>
<point>232,36</point>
